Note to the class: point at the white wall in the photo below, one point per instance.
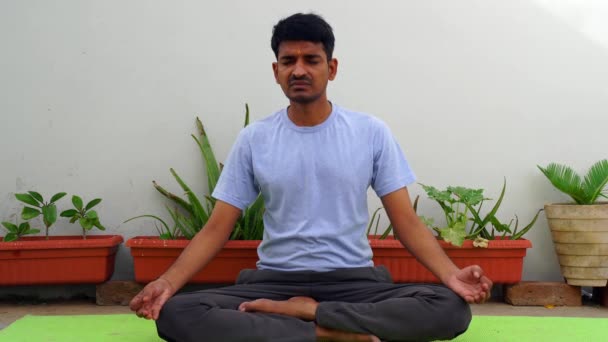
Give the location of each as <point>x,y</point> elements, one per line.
<point>98,98</point>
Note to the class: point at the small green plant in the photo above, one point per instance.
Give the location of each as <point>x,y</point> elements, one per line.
<point>462,210</point>
<point>38,206</point>
<point>84,215</point>
<point>15,232</point>
<point>182,225</point>
<point>196,211</point>
<point>583,190</point>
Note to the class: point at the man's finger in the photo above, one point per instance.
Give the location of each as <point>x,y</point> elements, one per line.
<point>135,303</point>
<point>141,313</point>
<point>159,305</point>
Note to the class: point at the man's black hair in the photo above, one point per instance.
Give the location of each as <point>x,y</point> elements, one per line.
<point>308,27</point>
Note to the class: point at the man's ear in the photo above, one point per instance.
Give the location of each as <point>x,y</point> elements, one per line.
<point>333,68</point>
<point>275,70</point>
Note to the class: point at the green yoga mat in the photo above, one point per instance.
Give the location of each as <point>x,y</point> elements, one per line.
<point>129,328</point>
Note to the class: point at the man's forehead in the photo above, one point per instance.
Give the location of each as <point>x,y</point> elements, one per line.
<point>300,47</point>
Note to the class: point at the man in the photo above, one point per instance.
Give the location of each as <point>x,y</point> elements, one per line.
<point>313,163</point>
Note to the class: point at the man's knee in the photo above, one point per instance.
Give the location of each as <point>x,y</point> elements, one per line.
<point>446,315</point>
<point>168,322</point>
<point>454,314</point>
<point>176,316</point>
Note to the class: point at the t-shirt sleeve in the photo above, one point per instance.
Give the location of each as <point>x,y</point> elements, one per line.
<point>236,184</point>
<point>391,170</point>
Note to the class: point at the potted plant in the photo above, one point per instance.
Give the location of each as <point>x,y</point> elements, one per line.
<point>468,238</point>
<point>45,260</point>
<point>86,217</point>
<point>152,255</point>
<point>580,228</point>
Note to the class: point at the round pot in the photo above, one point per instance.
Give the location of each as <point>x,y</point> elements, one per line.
<point>580,235</point>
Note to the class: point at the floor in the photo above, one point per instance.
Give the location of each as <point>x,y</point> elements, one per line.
<point>9,312</point>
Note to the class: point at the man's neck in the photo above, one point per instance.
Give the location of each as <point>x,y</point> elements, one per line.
<point>309,114</point>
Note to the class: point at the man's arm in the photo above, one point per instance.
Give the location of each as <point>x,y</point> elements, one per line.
<point>204,246</point>
<point>469,282</point>
<point>199,252</point>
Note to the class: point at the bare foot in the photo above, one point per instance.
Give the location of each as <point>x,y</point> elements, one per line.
<point>324,334</point>
<point>300,307</point>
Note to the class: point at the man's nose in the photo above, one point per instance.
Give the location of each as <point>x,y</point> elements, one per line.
<point>299,70</point>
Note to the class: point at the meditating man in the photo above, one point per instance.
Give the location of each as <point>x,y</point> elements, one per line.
<point>315,280</point>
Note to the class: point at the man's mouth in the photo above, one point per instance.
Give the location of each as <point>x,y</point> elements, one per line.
<point>299,83</point>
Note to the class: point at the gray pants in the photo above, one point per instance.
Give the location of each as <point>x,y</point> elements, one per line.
<point>362,300</point>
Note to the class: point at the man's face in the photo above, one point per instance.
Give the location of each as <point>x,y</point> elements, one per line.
<point>302,70</point>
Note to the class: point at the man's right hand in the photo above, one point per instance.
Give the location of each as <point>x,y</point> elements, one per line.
<point>150,300</point>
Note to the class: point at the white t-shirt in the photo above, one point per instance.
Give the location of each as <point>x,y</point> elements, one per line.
<point>314,181</point>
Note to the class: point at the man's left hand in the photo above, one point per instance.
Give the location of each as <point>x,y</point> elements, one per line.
<point>471,284</point>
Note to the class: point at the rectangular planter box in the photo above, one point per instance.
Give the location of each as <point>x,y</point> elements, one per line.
<point>502,261</point>
<point>59,260</point>
<point>152,257</point>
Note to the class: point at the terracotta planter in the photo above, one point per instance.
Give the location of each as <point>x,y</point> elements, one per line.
<point>152,257</point>
<point>580,235</point>
<point>59,260</point>
<point>502,261</point>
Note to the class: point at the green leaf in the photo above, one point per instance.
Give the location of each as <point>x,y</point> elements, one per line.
<point>86,223</point>
<point>595,181</point>
<point>428,221</point>
<point>97,224</point>
<point>371,221</point>
<point>566,180</point>
<point>187,227</point>
<point>436,194</point>
<point>29,213</point>
<point>246,115</point>
<point>236,232</point>
<point>150,216</point>
<point>92,203</point>
<point>77,201</point>
<point>199,212</point>
<point>37,196</point>
<point>57,197</point>
<point>527,227</point>
<point>387,231</point>
<point>91,214</point>
<point>501,227</point>
<point>178,200</point>
<point>10,226</point>
<point>490,215</point>
<point>211,165</point>
<point>27,199</point>
<point>49,214</point>
<point>69,213</point>
<point>454,235</point>
<point>210,203</point>
<point>23,227</point>
<point>10,237</point>
<point>74,218</point>
<point>31,232</point>
<point>467,195</point>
